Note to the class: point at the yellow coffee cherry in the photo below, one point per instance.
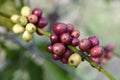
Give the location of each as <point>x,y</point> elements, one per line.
<point>27,36</point>
<point>18,29</point>
<point>30,27</point>
<point>25,11</point>
<point>74,60</point>
<point>22,20</point>
<point>14,18</point>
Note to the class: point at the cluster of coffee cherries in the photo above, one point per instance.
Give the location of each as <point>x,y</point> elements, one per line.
<point>28,22</point>
<point>63,35</point>
<point>108,53</point>
<point>96,53</point>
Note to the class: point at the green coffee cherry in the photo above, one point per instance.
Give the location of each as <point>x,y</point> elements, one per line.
<point>18,29</point>
<point>14,18</point>
<point>22,20</point>
<point>25,11</point>
<point>27,36</point>
<point>74,60</point>
<point>30,27</point>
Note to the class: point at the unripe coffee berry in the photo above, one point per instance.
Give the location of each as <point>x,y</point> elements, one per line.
<point>58,48</point>
<point>30,27</point>
<point>94,40</point>
<point>37,12</point>
<point>74,60</point>
<point>18,29</point>
<point>85,44</point>
<point>75,42</point>
<point>42,22</point>
<point>32,18</point>
<point>14,18</point>
<point>65,38</point>
<point>59,28</point>
<point>96,51</point>
<point>25,11</point>
<point>54,38</point>
<point>22,20</point>
<point>27,36</point>
<point>75,33</point>
<point>70,27</point>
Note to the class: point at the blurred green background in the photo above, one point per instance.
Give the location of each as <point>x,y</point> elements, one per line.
<point>30,61</point>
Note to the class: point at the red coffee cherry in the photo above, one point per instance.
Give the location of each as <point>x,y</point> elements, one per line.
<point>75,33</point>
<point>67,54</point>
<point>70,27</point>
<point>59,28</point>
<point>42,22</point>
<point>54,38</point>
<point>55,57</point>
<point>94,40</point>
<point>58,48</point>
<point>97,60</point>
<point>75,42</point>
<point>50,48</point>
<point>37,12</point>
<point>32,18</point>
<point>109,47</point>
<point>84,44</point>
<point>96,51</point>
<point>65,38</point>
<point>108,55</point>
<point>64,61</point>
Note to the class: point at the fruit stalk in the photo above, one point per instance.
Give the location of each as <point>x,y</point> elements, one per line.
<point>99,68</point>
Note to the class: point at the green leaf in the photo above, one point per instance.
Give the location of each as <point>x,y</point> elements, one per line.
<point>53,72</point>
<point>35,71</point>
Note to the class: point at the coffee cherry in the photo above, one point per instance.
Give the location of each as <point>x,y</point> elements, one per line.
<point>22,20</point>
<point>75,42</point>
<point>58,48</point>
<point>74,60</point>
<point>18,29</point>
<point>14,18</point>
<point>84,44</point>
<point>103,60</point>
<point>96,51</point>
<point>37,12</point>
<point>30,27</point>
<point>97,60</point>
<point>70,27</point>
<point>55,57</point>
<point>109,47</point>
<point>59,28</point>
<point>42,22</point>
<point>108,55</point>
<point>65,38</point>
<point>75,33</point>
<point>54,38</point>
<point>94,40</point>
<point>25,11</point>
<point>64,61</point>
<point>67,54</point>
<point>32,18</point>
<point>27,36</point>
<point>50,48</point>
